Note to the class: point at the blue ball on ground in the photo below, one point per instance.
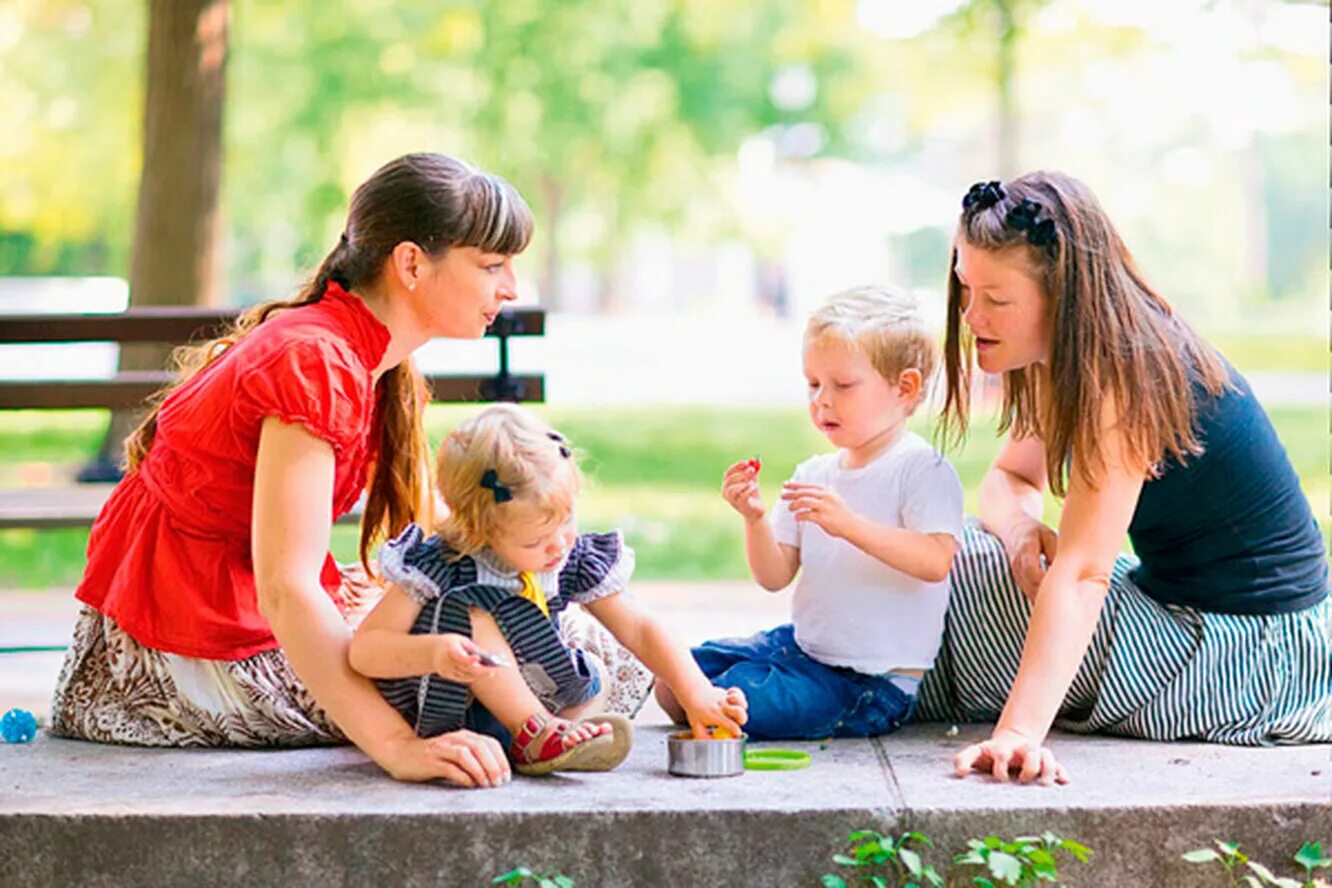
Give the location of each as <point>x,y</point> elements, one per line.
<point>18,726</point>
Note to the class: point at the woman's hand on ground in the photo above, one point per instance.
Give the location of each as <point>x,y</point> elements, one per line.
<point>458,658</point>
<point>1007,754</point>
<point>1031,549</point>
<point>461,757</point>
<point>740,489</point>
<point>713,707</point>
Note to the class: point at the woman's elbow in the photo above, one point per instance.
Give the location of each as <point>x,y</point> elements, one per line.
<point>272,593</point>
<point>358,655</point>
<point>938,573</point>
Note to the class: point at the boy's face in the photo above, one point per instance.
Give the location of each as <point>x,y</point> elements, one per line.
<point>849,402</point>
<point>529,540</point>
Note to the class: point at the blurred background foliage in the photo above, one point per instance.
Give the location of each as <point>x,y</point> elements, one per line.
<point>1201,123</point>
<point>732,161</point>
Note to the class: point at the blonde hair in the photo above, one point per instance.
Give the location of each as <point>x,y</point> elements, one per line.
<point>529,458</point>
<point>883,323</point>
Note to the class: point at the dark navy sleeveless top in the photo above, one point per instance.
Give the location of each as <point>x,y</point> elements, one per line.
<point>1230,531</point>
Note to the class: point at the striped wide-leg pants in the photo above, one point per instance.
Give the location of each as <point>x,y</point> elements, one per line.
<point>1153,671</point>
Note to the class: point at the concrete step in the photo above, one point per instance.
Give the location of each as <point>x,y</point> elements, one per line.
<point>74,813</point>
<point>82,814</point>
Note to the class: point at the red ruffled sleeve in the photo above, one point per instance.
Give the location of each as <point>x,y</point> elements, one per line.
<point>317,383</point>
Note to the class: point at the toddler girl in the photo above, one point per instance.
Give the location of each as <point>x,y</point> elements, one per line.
<point>467,634</point>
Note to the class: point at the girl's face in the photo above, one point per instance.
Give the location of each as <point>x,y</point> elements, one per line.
<point>850,402</point>
<point>530,540</point>
<point>461,292</point>
<point>1003,307</point>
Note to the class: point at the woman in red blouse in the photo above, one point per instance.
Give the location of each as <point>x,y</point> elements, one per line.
<point>213,614</point>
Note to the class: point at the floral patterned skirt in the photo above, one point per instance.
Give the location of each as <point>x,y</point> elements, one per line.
<point>112,689</point>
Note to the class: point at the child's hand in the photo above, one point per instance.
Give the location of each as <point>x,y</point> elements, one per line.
<point>820,505</point>
<point>713,707</point>
<point>458,658</point>
<point>740,489</point>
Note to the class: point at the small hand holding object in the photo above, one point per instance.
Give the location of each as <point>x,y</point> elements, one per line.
<point>458,658</point>
<point>740,489</point>
<point>820,505</point>
<point>1007,753</point>
<point>716,713</point>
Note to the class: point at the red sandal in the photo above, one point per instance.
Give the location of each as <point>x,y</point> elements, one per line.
<point>539,747</point>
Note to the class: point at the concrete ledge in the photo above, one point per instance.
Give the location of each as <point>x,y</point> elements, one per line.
<point>81,814</point>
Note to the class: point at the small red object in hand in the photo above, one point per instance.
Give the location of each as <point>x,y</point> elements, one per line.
<point>754,464</point>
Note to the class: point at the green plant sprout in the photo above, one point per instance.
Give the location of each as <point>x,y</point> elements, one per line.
<point>544,880</point>
<point>1310,857</point>
<point>1021,862</point>
<point>882,861</point>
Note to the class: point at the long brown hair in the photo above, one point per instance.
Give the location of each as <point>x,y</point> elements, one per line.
<point>431,200</point>
<point>1112,336</point>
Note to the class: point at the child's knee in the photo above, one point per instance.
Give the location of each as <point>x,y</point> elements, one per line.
<point>486,632</point>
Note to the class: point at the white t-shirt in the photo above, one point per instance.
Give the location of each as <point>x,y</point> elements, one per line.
<point>849,608</point>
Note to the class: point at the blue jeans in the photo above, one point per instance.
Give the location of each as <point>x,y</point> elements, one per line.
<point>795,697</point>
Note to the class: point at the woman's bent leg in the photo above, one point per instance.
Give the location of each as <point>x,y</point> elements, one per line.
<point>1153,671</point>
<point>112,689</point>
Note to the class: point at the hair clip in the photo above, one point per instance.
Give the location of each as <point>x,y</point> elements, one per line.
<point>1023,218</point>
<point>490,480</point>
<point>559,439</point>
<point>984,195</point>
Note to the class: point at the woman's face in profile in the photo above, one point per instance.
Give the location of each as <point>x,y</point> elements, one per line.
<point>1003,307</point>
<point>463,290</point>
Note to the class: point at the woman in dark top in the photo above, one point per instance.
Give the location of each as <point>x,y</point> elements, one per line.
<point>1218,628</point>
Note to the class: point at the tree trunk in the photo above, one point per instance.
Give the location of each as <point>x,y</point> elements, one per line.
<point>175,252</point>
<point>1008,115</point>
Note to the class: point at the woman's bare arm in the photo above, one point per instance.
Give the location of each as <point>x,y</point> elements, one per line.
<point>292,519</point>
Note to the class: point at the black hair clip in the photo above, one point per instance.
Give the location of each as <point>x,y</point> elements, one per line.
<point>1023,218</point>
<point>984,195</point>
<point>559,439</point>
<point>490,480</point>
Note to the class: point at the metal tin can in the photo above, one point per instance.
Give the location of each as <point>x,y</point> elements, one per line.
<point>687,757</point>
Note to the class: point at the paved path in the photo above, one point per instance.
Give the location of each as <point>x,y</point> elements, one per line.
<point>77,813</point>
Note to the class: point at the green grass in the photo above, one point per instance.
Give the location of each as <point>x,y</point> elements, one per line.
<point>654,472</point>
<point>1254,354</point>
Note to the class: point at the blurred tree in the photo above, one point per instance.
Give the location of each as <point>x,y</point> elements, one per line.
<point>1000,23</point>
<point>173,261</point>
<point>70,70</point>
<point>619,109</point>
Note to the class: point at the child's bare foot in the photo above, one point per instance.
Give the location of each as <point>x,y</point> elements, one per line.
<point>546,743</point>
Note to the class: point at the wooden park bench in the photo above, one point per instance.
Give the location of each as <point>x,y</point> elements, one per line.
<point>77,506</point>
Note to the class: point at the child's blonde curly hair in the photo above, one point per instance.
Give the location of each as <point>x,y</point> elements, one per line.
<point>885,324</point>
<point>532,463</point>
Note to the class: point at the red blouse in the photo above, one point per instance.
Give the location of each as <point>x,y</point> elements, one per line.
<point>169,555</point>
